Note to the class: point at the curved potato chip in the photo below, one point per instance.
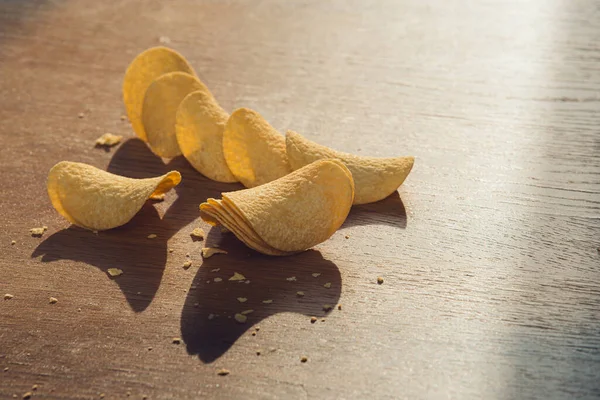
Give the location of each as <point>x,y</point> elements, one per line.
<point>200,123</point>
<point>290,214</point>
<point>374,178</point>
<point>160,109</point>
<point>253,149</point>
<point>142,71</point>
<point>98,200</point>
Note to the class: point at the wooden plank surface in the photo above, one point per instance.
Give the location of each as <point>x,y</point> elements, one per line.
<point>489,252</point>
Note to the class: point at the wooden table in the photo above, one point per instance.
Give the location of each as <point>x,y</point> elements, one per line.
<point>489,253</point>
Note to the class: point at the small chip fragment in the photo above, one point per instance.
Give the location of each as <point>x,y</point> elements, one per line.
<point>176,340</point>
<point>215,270</point>
<point>13,242</point>
<point>164,40</point>
<point>38,232</point>
<point>327,285</point>
<point>8,296</point>
<point>253,333</point>
<point>379,280</point>
<point>267,301</point>
<point>114,272</point>
<point>210,251</point>
<point>313,320</point>
<point>237,277</point>
<point>339,306</point>
<point>303,359</point>
<point>171,250</point>
<point>198,234</point>
<point>187,264</point>
<point>123,117</point>
<point>327,307</point>
<point>211,316</point>
<point>108,140</point>
<point>246,312</point>
<point>223,372</point>
<point>258,352</point>
<point>300,294</point>
<point>347,236</point>
<point>52,300</point>
<point>217,279</point>
<point>241,318</point>
<point>158,197</point>
<point>27,395</point>
<point>152,236</point>
<point>291,279</point>
<point>34,387</point>
<point>81,115</point>
<point>316,274</point>
<point>242,299</point>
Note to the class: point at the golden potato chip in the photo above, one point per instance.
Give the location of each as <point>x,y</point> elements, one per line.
<point>142,71</point>
<point>98,200</point>
<point>374,178</point>
<point>200,123</point>
<point>108,140</point>
<point>211,251</point>
<point>292,213</point>
<point>159,110</point>
<point>253,149</point>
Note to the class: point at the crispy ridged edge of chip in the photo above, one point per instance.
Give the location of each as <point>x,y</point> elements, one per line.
<point>200,123</point>
<point>143,70</point>
<point>299,210</point>
<point>98,200</point>
<point>159,110</point>
<point>253,149</point>
<point>374,178</point>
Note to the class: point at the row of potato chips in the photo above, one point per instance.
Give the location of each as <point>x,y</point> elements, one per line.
<point>299,192</point>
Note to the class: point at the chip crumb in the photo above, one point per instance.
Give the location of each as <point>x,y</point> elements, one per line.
<point>257,328</point>
<point>316,274</point>
<point>80,115</point>
<point>327,307</point>
<point>187,264</point>
<point>108,140</point>
<point>246,312</point>
<point>339,306</point>
<point>267,301</point>
<point>223,372</point>
<point>187,254</point>
<point>327,285</point>
<point>210,251</point>
<point>13,242</point>
<point>253,333</point>
<point>114,272</point>
<point>171,250</point>
<point>144,397</point>
<point>102,395</point>
<point>176,340</point>
<point>322,319</point>
<point>34,387</point>
<point>38,232</point>
<point>247,282</point>
<point>291,279</point>
<point>152,236</point>
<point>6,369</point>
<point>347,236</point>
<point>53,300</point>
<point>313,320</point>
<point>258,352</point>
<point>242,299</point>
<point>240,318</point>
<point>27,395</point>
<point>300,293</point>
<point>217,279</point>
<point>123,117</point>
<point>158,197</point>
<point>8,296</point>
<point>164,40</point>
<point>198,234</point>
<point>211,316</point>
<point>379,280</point>
<point>215,270</point>
<point>303,359</point>
<point>237,277</point>
<point>196,305</point>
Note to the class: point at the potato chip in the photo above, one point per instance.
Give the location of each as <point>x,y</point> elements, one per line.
<point>290,214</point>
<point>108,140</point>
<point>374,178</point>
<point>97,200</point>
<point>208,252</point>
<point>159,110</point>
<point>200,123</point>
<point>254,150</point>
<point>142,71</point>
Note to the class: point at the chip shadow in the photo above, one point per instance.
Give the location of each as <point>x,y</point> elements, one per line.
<point>389,211</point>
<point>208,325</point>
<point>127,247</point>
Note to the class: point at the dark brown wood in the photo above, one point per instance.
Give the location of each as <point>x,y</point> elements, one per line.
<point>489,253</point>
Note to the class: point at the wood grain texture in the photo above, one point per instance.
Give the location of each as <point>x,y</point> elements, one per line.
<point>489,253</point>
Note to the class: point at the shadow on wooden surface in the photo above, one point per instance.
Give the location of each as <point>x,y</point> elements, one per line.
<point>142,260</point>
<point>389,211</point>
<point>211,336</point>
